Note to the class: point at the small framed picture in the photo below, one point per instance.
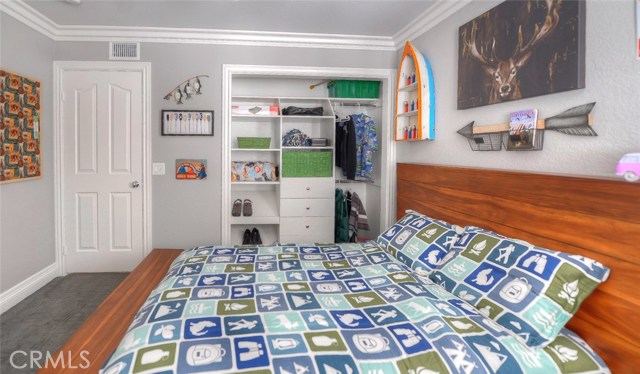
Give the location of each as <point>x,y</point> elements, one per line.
<point>190,169</point>
<point>187,122</point>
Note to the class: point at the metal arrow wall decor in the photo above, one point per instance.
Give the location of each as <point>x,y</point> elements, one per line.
<point>575,121</point>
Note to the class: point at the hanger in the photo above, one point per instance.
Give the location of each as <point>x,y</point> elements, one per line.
<point>339,117</point>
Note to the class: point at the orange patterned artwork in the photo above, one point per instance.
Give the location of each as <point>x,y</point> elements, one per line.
<point>19,128</point>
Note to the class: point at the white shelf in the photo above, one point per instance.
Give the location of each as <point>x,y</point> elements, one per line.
<point>305,148</point>
<point>255,220</point>
<point>409,88</point>
<point>255,183</point>
<point>255,150</point>
<point>408,114</point>
<point>264,204</point>
<point>243,97</point>
<point>273,98</point>
<point>253,116</point>
<point>309,117</point>
<point>354,100</point>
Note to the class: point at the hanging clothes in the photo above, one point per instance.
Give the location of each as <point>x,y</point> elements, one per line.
<point>357,217</point>
<point>341,232</point>
<point>346,151</point>
<point>366,144</point>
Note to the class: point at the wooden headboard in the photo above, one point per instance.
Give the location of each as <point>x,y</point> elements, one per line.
<point>596,218</point>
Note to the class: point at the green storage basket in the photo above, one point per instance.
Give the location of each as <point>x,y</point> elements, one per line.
<point>354,89</point>
<point>307,164</point>
<point>254,143</point>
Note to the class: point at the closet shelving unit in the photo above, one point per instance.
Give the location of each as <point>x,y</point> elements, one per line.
<point>266,197</point>
<point>299,209</point>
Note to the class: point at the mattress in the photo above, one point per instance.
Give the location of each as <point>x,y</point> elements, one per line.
<point>343,308</point>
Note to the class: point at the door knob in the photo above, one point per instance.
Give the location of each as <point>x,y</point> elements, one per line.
<point>135,184</point>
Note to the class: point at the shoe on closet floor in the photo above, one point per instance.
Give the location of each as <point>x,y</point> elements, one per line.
<point>247,238</point>
<point>255,236</point>
<point>236,211</point>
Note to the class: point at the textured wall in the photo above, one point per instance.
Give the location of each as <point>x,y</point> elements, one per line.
<point>26,213</point>
<point>187,213</point>
<point>612,80</point>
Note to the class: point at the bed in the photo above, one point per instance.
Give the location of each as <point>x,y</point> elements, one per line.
<point>272,309</point>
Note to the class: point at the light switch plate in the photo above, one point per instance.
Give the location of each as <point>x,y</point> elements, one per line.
<point>158,168</point>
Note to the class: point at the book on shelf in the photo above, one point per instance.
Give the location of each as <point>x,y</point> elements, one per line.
<point>522,129</point>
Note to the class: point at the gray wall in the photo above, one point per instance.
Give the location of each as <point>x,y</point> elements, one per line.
<point>187,213</point>
<point>26,214</point>
<point>612,80</point>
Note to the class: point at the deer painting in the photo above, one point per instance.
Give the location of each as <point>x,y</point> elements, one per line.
<point>521,49</point>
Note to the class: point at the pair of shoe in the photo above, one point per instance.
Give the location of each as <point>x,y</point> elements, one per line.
<point>242,207</point>
<point>251,237</point>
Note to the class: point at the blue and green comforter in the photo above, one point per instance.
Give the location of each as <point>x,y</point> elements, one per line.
<point>349,308</point>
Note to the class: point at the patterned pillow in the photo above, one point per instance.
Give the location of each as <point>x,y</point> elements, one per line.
<point>531,291</point>
<point>418,241</point>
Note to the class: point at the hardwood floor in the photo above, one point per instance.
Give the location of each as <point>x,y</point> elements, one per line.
<point>101,333</point>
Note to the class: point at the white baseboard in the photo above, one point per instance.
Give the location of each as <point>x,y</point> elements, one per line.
<point>22,290</point>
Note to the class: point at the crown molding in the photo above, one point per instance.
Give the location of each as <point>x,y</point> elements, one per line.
<point>428,19</point>
<point>26,14</point>
<point>225,37</point>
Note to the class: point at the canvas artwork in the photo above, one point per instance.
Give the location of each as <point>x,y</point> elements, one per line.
<point>19,128</point>
<point>521,49</point>
<point>191,169</point>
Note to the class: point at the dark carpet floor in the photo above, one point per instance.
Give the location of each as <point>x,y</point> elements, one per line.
<point>45,320</point>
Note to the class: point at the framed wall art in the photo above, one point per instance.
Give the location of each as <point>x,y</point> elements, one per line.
<point>521,49</point>
<point>190,169</point>
<point>20,133</point>
<point>187,122</point>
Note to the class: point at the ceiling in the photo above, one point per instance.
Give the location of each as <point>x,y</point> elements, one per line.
<point>362,17</point>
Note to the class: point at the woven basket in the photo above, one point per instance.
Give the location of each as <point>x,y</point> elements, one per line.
<point>307,164</point>
<point>254,143</point>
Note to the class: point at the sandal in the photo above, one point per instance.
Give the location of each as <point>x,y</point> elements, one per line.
<point>237,208</point>
<point>247,208</point>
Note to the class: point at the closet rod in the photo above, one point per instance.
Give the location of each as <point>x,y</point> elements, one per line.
<point>355,181</point>
<point>360,104</point>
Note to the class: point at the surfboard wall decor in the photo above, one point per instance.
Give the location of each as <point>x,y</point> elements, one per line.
<point>415,99</point>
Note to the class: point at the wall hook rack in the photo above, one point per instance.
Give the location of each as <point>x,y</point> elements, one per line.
<point>191,86</point>
<point>574,121</point>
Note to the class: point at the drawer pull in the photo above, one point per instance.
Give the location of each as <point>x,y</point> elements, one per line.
<point>307,226</point>
<point>308,208</point>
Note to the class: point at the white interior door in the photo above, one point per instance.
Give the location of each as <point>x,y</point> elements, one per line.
<point>102,127</point>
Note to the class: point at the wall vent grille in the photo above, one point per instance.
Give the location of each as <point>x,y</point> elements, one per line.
<point>124,51</point>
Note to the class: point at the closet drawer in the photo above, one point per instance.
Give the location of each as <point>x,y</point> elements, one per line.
<point>307,208</point>
<point>309,239</point>
<point>303,188</point>
<point>306,226</point>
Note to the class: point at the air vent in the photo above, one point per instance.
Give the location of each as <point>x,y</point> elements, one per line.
<point>124,51</point>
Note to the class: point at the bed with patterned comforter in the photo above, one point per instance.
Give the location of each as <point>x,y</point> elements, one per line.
<point>348,308</point>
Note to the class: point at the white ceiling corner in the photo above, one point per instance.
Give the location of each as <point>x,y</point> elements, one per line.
<point>428,19</point>
<point>31,17</point>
